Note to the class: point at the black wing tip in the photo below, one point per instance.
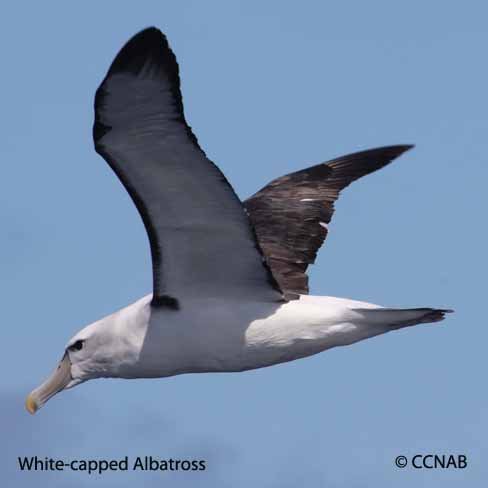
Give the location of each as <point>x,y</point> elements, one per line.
<point>150,31</point>
<point>149,44</point>
<point>387,151</point>
<point>399,148</point>
<point>367,161</point>
<point>149,52</point>
<point>146,38</point>
<point>387,154</point>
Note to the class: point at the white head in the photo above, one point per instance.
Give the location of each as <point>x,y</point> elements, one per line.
<point>107,348</point>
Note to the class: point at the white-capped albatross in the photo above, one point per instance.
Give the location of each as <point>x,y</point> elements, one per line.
<point>230,291</point>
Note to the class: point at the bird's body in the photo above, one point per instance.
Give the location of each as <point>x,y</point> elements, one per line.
<point>230,290</point>
<point>223,335</point>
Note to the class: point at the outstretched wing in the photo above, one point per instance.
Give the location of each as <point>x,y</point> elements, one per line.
<point>290,215</point>
<point>202,243</point>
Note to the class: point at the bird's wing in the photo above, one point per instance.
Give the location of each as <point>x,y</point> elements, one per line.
<point>202,243</point>
<point>290,215</point>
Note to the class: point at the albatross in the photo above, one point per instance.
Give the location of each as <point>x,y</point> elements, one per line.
<point>230,290</point>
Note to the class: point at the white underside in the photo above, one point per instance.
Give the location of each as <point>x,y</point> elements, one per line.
<point>218,336</point>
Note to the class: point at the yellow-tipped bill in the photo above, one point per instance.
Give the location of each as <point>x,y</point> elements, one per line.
<point>58,380</point>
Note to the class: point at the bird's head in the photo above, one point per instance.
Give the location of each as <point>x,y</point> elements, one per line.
<point>93,352</point>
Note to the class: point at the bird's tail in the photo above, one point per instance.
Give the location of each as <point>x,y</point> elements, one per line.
<point>397,318</point>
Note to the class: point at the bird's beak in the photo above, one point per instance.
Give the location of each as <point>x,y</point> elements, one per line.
<point>60,377</point>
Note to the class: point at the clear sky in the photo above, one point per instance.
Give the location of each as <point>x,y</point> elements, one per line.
<point>269,88</point>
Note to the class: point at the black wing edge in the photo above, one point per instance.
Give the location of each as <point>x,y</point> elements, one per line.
<point>150,45</point>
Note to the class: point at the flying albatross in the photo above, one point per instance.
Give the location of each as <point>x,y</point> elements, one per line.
<point>230,290</point>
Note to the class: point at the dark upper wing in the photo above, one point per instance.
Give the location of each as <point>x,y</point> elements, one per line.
<point>201,240</point>
<point>290,215</point>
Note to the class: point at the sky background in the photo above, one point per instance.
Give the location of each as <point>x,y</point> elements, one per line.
<point>269,88</point>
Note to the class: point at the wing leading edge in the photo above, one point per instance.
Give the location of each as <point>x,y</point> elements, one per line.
<point>202,243</point>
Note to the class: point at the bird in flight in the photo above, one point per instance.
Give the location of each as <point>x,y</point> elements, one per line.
<point>230,290</point>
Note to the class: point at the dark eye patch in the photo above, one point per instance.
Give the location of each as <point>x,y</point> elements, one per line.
<point>77,346</point>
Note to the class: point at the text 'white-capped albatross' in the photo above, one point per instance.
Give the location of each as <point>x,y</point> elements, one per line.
<point>230,290</point>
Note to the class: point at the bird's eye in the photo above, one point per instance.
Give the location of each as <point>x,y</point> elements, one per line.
<point>76,346</point>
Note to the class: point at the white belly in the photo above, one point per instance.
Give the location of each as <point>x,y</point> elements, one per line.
<point>226,336</point>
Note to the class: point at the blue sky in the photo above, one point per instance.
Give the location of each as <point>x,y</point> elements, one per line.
<point>269,87</point>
